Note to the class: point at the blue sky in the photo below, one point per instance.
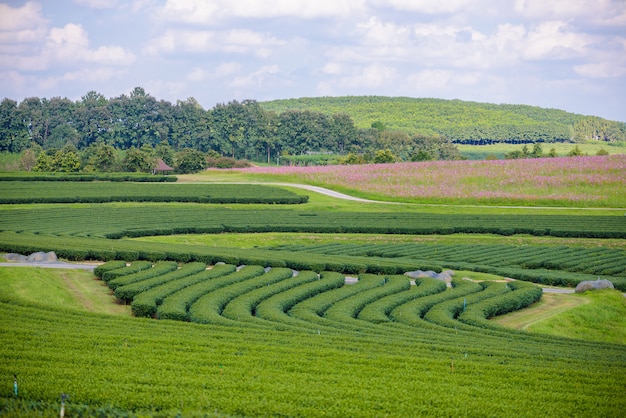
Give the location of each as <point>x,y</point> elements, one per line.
<point>566,54</point>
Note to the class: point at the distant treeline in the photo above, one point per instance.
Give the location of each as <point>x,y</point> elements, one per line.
<point>461,121</point>
<point>364,128</point>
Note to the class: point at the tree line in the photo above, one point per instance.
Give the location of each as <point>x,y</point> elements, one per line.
<point>238,130</point>
<point>464,122</point>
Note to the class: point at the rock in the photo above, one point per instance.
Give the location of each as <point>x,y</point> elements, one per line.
<point>593,285</point>
<point>445,276</point>
<point>16,257</point>
<point>41,257</point>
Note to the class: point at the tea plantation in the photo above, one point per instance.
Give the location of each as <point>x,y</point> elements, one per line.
<point>303,330</point>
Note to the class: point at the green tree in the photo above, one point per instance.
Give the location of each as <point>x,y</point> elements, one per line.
<point>13,133</point>
<point>62,135</point>
<point>165,152</point>
<point>352,159</point>
<point>103,158</point>
<point>138,160</point>
<point>189,161</point>
<point>66,160</point>
<point>384,156</point>
<point>575,152</point>
<point>537,151</point>
<point>44,162</point>
<point>28,159</point>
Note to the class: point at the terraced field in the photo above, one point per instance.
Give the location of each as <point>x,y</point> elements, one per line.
<point>304,330</point>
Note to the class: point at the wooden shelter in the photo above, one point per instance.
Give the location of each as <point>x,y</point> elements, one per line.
<point>162,168</point>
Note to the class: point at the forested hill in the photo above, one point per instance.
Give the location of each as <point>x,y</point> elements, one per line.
<point>461,121</point>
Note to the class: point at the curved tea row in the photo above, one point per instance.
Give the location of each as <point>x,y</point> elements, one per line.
<point>281,298</point>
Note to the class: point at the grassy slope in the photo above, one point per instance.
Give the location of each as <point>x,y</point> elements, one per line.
<point>597,316</point>
<point>59,288</point>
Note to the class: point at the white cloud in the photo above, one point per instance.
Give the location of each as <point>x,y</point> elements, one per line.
<point>20,27</point>
<point>256,79</point>
<point>241,41</point>
<point>211,12</point>
<point>25,17</point>
<point>555,40</point>
<point>226,69</point>
<point>97,4</point>
<point>599,12</point>
<point>601,70</point>
<point>222,70</point>
<point>70,44</point>
<point>433,7</point>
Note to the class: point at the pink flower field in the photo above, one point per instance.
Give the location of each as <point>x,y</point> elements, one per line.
<point>578,181</point>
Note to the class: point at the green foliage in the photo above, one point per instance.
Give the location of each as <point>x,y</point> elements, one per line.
<point>138,160</point>
<point>189,161</point>
<point>575,152</point>
<point>16,191</point>
<point>593,128</point>
<point>147,302</point>
<point>462,122</point>
<point>161,219</point>
<point>384,156</point>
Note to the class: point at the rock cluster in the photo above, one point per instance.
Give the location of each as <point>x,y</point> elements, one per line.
<point>38,257</point>
<point>593,285</point>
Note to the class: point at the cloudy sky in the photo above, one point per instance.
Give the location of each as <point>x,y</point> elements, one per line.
<point>567,54</point>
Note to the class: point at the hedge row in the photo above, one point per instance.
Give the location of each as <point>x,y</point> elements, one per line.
<point>275,308</point>
<point>147,302</point>
<point>244,306</point>
<point>177,306</point>
<point>412,313</point>
<point>17,192</point>
<point>523,294</point>
<point>117,177</point>
<point>80,248</point>
<point>160,268</point>
<point>161,219</point>
<point>208,307</point>
<point>127,292</point>
<point>135,267</point>
<point>445,313</point>
<point>378,311</point>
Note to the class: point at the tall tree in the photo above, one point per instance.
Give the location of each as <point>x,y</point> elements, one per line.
<point>14,135</point>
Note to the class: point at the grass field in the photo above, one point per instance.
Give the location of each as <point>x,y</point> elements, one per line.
<point>480,152</point>
<point>59,288</point>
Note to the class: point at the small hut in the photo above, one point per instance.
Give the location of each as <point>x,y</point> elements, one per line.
<point>162,168</point>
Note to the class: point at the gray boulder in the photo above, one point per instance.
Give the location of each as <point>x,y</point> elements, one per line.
<point>445,275</point>
<point>41,257</point>
<point>594,285</point>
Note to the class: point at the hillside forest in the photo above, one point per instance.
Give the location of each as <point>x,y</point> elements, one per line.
<point>130,132</point>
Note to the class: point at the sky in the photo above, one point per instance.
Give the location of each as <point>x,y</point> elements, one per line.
<point>565,54</point>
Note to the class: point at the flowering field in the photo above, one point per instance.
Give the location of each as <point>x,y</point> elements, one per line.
<point>598,181</point>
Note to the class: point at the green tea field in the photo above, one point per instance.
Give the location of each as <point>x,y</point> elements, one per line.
<point>227,308</point>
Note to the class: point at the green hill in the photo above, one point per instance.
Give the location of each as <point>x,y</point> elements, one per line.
<point>461,121</point>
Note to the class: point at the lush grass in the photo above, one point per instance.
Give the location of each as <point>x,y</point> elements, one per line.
<point>164,368</point>
<point>480,152</point>
<point>272,239</point>
<point>59,288</point>
<point>9,161</point>
<point>600,317</point>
